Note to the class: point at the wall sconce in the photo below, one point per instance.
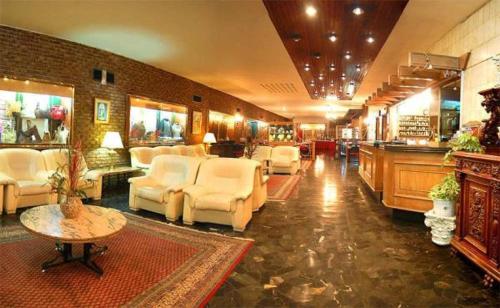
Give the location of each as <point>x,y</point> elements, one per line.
<point>237,116</point>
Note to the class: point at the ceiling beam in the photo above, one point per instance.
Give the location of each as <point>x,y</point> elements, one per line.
<point>394,80</point>
<point>408,72</point>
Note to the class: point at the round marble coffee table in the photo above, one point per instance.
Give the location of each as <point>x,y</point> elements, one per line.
<point>95,223</point>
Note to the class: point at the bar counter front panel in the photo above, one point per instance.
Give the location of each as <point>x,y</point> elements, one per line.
<point>371,165</point>
<point>409,173</point>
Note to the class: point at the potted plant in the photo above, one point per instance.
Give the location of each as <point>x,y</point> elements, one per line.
<point>465,142</point>
<point>444,196</point>
<point>65,182</point>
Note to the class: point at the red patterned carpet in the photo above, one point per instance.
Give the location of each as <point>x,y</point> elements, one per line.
<point>280,187</point>
<point>148,264</point>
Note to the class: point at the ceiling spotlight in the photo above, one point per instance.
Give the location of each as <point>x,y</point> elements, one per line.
<point>296,37</point>
<point>370,39</point>
<point>307,67</point>
<point>455,88</point>
<point>343,76</point>
<point>332,37</point>
<point>332,67</point>
<point>316,55</point>
<point>347,55</point>
<point>358,68</point>
<point>357,11</point>
<point>27,82</point>
<point>311,11</point>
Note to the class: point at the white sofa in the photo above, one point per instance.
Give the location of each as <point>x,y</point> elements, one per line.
<point>262,154</point>
<point>285,159</point>
<point>161,190</point>
<point>26,176</point>
<point>90,181</point>
<point>222,193</point>
<point>180,149</point>
<point>141,157</point>
<point>164,150</point>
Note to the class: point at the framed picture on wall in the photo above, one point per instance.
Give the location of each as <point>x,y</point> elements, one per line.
<point>101,111</point>
<point>197,122</point>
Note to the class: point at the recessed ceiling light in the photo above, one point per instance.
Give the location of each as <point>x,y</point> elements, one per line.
<point>296,37</point>
<point>347,55</point>
<point>358,68</point>
<point>316,55</point>
<point>358,11</point>
<point>332,67</point>
<point>320,77</point>
<point>5,78</point>
<point>27,82</point>
<point>307,67</point>
<point>311,11</point>
<point>331,97</point>
<point>332,37</point>
<point>343,76</point>
<point>370,39</point>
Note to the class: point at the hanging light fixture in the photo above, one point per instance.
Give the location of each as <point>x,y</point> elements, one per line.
<point>343,76</point>
<point>307,67</point>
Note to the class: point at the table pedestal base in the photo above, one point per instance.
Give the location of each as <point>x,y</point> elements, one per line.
<point>66,253</point>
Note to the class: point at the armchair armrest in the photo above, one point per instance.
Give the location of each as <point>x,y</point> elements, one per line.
<point>141,180</point>
<point>194,191</point>
<point>243,195</point>
<point>5,179</point>
<point>92,175</point>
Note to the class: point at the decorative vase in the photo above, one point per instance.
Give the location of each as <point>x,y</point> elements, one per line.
<point>444,208</point>
<point>72,207</point>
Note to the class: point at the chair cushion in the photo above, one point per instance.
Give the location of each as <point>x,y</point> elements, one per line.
<point>281,163</point>
<point>153,193</point>
<point>27,188</point>
<point>216,201</point>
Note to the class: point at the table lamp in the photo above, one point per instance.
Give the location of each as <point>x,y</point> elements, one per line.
<point>208,139</point>
<point>112,141</point>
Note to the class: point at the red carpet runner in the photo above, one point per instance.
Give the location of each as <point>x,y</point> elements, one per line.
<point>148,264</point>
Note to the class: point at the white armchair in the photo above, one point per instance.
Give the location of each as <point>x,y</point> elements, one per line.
<point>262,154</point>
<point>161,190</point>
<point>164,150</point>
<point>180,149</point>
<point>222,193</point>
<point>259,187</point>
<point>285,159</point>
<point>26,178</point>
<point>141,157</point>
<point>198,150</point>
<point>90,181</point>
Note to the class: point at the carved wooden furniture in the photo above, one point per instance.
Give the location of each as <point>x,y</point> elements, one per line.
<point>477,235</point>
<point>491,103</point>
<point>409,174</point>
<point>371,165</point>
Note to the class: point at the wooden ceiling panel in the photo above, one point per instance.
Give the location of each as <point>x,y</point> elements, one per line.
<point>305,37</point>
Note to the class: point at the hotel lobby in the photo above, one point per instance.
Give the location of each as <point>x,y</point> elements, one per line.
<point>250,153</point>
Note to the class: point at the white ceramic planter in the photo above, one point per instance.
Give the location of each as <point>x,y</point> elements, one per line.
<point>444,208</point>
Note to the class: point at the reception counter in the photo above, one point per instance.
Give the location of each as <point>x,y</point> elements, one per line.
<point>409,173</point>
<point>371,165</point>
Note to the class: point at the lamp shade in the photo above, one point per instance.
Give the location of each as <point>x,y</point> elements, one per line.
<point>209,138</point>
<point>112,140</point>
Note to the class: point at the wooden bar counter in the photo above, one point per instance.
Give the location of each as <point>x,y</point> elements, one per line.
<point>409,174</point>
<point>371,165</point>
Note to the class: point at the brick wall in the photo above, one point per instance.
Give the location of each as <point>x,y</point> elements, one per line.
<point>27,55</point>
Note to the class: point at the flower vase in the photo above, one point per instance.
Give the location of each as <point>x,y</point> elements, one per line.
<point>72,207</point>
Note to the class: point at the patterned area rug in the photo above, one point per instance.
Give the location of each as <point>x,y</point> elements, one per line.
<point>148,264</point>
<point>280,187</point>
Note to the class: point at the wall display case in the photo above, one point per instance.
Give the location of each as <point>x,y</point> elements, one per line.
<point>152,122</point>
<point>34,113</point>
<point>414,126</point>
<point>257,130</point>
<point>281,132</point>
<point>449,110</point>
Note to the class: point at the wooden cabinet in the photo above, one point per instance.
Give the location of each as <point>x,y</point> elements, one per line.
<point>477,235</point>
<point>371,166</point>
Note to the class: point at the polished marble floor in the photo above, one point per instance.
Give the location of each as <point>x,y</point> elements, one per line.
<point>332,244</point>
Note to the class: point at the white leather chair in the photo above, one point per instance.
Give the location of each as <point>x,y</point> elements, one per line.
<point>141,157</point>
<point>285,159</point>
<point>164,150</point>
<point>259,187</point>
<point>198,150</point>
<point>180,149</point>
<point>262,154</point>
<point>222,193</point>
<point>27,179</point>
<point>161,190</point>
<point>90,181</point>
